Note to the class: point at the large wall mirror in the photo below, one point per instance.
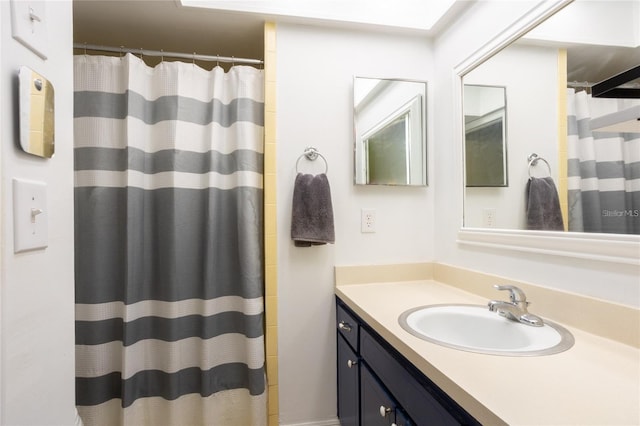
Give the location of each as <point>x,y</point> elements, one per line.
<point>551,76</point>
<point>390,136</point>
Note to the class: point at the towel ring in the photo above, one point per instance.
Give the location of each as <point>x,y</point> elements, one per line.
<point>312,154</point>
<point>533,160</point>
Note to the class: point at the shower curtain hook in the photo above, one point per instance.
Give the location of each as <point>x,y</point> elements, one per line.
<point>85,48</point>
<point>233,61</point>
<point>193,61</point>
<point>141,53</point>
<point>218,60</point>
<point>161,55</point>
<point>121,51</point>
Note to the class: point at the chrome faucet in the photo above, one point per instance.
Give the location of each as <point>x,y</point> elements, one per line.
<point>516,309</point>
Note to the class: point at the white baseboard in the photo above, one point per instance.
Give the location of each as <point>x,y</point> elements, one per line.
<point>329,422</point>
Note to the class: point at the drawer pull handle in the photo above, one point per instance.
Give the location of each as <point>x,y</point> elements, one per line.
<point>350,363</point>
<point>344,326</point>
<point>384,411</point>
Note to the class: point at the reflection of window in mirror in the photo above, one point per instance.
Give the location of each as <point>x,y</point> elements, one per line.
<point>387,155</point>
<point>485,136</point>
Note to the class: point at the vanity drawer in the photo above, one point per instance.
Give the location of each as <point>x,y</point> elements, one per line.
<point>347,326</point>
<point>424,402</point>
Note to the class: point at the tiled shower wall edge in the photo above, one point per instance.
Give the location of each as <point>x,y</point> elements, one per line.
<point>270,222</point>
<point>563,173</point>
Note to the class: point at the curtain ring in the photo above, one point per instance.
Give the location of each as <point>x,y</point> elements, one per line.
<point>218,60</point>
<point>233,61</point>
<point>141,53</point>
<point>161,55</point>
<point>121,51</point>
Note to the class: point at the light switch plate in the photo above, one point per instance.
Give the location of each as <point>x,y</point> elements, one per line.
<point>30,217</point>
<point>29,25</point>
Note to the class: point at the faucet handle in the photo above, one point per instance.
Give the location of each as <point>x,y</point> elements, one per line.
<point>515,294</point>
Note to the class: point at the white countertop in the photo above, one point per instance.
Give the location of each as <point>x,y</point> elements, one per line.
<point>596,382</point>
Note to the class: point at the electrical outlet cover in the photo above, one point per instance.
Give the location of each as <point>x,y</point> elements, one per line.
<point>368,220</point>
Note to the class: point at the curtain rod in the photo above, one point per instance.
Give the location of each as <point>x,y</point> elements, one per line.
<point>580,84</point>
<point>161,53</point>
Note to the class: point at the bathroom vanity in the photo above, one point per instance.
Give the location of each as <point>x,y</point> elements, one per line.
<point>388,376</point>
<point>378,386</point>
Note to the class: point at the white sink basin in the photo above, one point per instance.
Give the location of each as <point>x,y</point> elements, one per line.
<point>474,328</point>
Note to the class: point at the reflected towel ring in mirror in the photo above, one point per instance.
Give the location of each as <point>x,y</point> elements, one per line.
<point>312,154</point>
<point>533,160</point>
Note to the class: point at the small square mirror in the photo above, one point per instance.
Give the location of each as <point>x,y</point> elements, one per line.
<point>36,101</point>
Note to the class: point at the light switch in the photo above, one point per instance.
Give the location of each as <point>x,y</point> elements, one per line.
<point>29,25</point>
<point>30,217</point>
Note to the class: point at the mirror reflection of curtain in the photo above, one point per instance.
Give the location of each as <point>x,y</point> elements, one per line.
<point>169,251</point>
<point>603,169</point>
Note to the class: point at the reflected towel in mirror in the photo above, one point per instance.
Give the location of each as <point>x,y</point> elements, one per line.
<point>543,205</point>
<point>312,211</point>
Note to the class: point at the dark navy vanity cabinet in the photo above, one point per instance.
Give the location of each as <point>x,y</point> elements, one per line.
<point>378,386</point>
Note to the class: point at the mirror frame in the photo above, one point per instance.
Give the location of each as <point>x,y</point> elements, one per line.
<point>617,248</point>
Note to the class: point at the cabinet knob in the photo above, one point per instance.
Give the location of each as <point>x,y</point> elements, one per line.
<point>344,326</point>
<point>351,363</point>
<point>384,411</point>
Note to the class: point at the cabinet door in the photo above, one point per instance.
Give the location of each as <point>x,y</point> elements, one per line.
<point>402,419</point>
<point>348,385</point>
<point>415,399</point>
<point>376,406</point>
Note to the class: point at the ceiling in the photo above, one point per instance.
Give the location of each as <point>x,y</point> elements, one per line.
<point>235,27</point>
<point>170,26</point>
<point>594,64</point>
<point>165,25</point>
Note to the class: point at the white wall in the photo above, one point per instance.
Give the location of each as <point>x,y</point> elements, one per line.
<point>609,281</point>
<point>315,69</point>
<point>37,293</point>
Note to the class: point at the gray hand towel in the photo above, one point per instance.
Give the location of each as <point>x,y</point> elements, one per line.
<point>312,211</point>
<point>543,206</point>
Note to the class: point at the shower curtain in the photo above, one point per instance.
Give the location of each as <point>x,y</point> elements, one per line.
<point>603,169</point>
<point>169,250</point>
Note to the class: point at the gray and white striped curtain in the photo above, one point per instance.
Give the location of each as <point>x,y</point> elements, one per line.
<point>603,169</point>
<point>169,249</point>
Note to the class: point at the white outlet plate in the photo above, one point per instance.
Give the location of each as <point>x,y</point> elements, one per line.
<point>29,25</point>
<point>30,218</point>
<point>489,218</point>
<point>367,220</point>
